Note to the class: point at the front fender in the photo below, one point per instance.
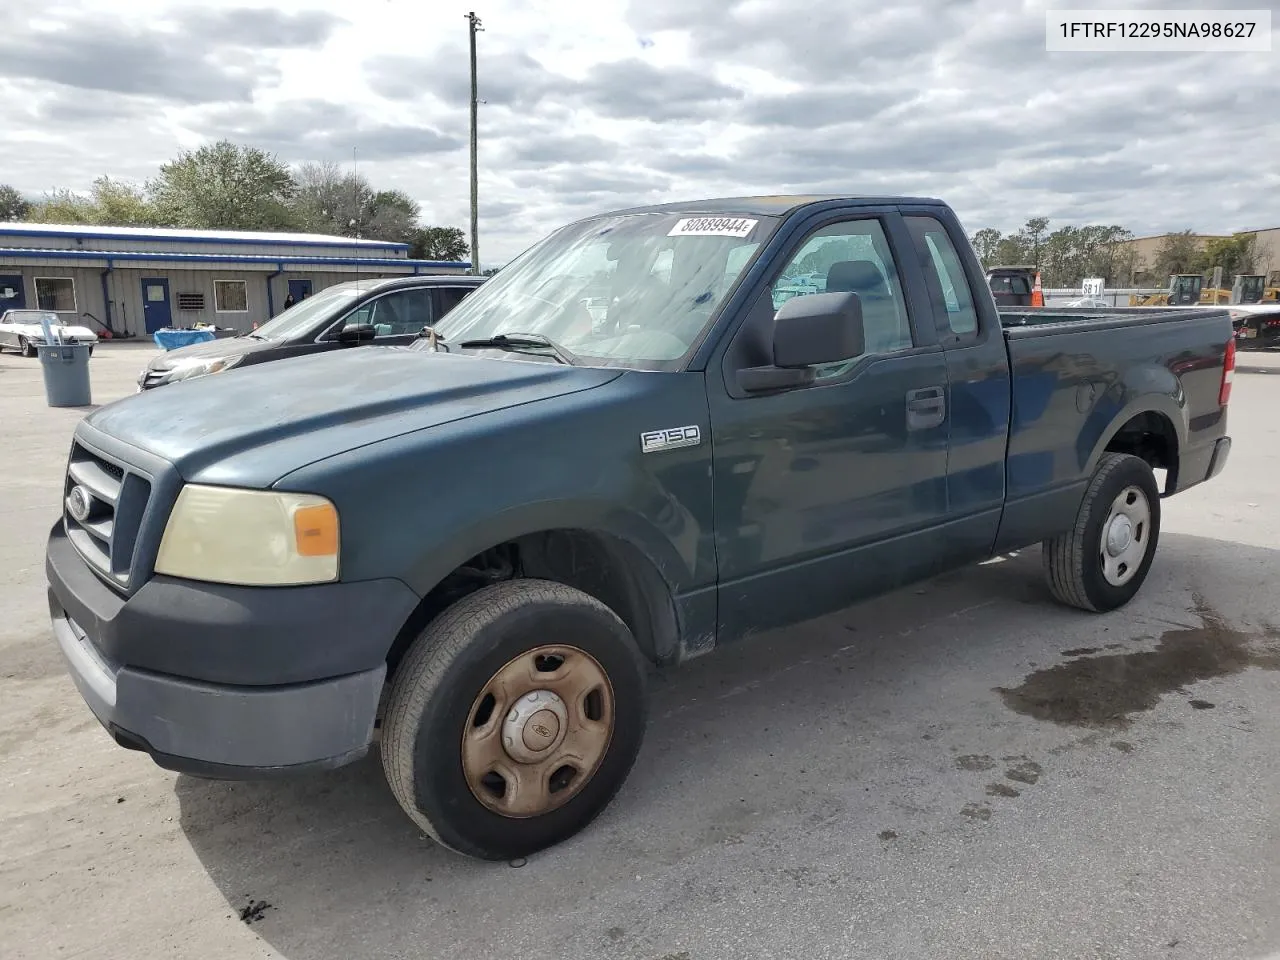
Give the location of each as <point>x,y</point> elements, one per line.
<point>669,541</point>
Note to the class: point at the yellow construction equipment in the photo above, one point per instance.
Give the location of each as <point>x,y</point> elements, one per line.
<point>1184,289</point>
<point>1247,288</point>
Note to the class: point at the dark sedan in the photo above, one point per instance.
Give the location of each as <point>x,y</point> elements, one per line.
<point>344,315</point>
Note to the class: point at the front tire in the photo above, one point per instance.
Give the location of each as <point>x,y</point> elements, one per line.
<point>514,718</point>
<point>1101,563</point>
<point>25,348</point>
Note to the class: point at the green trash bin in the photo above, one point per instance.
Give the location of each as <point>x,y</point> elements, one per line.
<point>66,374</point>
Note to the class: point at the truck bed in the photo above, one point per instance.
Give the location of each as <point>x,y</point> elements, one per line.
<point>1078,374</point>
<point>1097,318</point>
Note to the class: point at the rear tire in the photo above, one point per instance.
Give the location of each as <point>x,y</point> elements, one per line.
<point>1101,563</point>
<point>25,348</point>
<point>471,678</point>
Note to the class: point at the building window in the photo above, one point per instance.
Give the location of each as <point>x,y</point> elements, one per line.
<point>231,296</point>
<point>56,293</point>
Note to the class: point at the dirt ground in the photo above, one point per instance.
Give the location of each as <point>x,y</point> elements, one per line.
<point>960,769</point>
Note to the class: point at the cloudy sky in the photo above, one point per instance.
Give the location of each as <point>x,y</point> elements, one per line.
<point>600,104</point>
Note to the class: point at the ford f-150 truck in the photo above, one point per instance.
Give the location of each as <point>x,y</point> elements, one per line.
<point>468,548</point>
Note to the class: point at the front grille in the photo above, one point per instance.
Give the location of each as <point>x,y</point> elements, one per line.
<point>117,497</point>
<point>152,378</point>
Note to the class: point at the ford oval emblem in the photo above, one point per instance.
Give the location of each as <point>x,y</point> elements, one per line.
<point>79,504</point>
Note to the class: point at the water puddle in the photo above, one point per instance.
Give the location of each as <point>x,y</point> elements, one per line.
<point>1107,691</point>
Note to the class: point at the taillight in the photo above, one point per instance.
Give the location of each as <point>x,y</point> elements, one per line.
<point>1228,374</point>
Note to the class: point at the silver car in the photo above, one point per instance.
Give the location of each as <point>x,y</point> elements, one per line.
<point>23,330</point>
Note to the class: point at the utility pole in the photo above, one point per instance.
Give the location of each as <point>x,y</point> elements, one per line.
<point>475,28</point>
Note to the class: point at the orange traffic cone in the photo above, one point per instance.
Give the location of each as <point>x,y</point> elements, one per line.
<point>1037,292</point>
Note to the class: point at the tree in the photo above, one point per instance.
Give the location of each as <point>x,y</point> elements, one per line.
<point>118,203</point>
<point>985,243</point>
<point>439,243</point>
<point>225,186</point>
<point>329,200</point>
<point>62,206</point>
<point>392,215</point>
<point>1235,254</point>
<point>1010,252</point>
<point>333,201</point>
<point>1178,253</point>
<point>1032,237</point>
<point>13,205</point>
<point>110,203</point>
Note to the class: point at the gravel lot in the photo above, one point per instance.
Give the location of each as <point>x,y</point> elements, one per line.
<point>959,769</point>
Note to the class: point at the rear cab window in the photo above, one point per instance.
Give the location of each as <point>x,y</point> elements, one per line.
<point>949,291</point>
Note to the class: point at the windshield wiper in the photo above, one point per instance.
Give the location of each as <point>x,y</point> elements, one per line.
<point>516,342</point>
<point>254,336</point>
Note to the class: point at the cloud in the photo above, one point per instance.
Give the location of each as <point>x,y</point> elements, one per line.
<point>258,27</point>
<point>302,130</point>
<point>103,55</point>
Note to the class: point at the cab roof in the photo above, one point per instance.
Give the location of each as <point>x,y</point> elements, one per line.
<point>771,206</point>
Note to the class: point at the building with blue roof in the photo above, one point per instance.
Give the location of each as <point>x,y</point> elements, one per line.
<point>141,279</point>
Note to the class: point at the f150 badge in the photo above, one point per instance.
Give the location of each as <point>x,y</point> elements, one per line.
<point>653,441</point>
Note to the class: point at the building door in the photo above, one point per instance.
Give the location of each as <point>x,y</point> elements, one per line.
<point>13,295</point>
<point>156,314</point>
<point>299,289</point>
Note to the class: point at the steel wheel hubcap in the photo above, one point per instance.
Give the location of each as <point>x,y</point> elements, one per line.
<point>538,731</point>
<point>1125,535</point>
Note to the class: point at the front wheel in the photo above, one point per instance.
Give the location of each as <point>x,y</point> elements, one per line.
<point>514,718</point>
<point>1100,564</point>
<point>25,348</point>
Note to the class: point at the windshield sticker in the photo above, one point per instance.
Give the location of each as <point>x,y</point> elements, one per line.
<point>713,227</point>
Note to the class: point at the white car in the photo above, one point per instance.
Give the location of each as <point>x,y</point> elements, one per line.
<point>23,330</point>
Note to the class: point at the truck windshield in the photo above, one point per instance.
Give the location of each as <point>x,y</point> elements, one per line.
<point>634,290</point>
<point>305,314</point>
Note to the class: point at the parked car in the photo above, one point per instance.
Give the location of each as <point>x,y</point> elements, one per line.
<point>386,312</point>
<point>472,545</point>
<point>23,331</point>
<point>1011,286</point>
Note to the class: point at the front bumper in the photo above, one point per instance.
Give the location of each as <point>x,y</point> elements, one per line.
<point>229,682</point>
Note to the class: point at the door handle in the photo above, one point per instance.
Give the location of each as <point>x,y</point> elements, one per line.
<point>926,408</point>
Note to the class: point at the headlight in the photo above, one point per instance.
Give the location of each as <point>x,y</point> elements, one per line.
<point>250,537</point>
<point>200,367</point>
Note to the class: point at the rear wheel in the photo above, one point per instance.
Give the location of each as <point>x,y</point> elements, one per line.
<point>25,348</point>
<point>1101,562</point>
<point>514,718</point>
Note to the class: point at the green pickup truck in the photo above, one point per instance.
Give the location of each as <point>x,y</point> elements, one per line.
<point>629,447</point>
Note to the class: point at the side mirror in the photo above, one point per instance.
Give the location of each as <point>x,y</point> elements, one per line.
<point>361,333</point>
<point>808,330</point>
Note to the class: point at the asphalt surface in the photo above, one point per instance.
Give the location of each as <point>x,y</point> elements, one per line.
<point>959,769</point>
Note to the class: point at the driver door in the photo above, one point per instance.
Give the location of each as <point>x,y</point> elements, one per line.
<point>831,492</point>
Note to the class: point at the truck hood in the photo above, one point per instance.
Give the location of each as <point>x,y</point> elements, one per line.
<point>252,426</point>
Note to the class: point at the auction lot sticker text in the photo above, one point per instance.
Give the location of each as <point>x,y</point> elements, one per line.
<point>1158,31</point>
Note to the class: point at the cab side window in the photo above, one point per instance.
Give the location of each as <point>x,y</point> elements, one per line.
<point>450,297</point>
<point>401,313</point>
<point>944,276</point>
<point>852,256</point>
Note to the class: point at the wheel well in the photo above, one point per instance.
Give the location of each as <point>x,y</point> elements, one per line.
<point>608,568</point>
<point>1151,437</point>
